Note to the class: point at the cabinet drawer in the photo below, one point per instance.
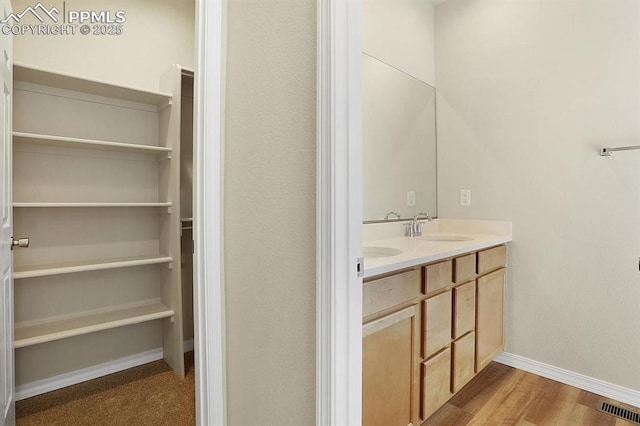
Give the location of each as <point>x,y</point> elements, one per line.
<point>464,268</point>
<point>436,324</point>
<point>492,258</point>
<point>464,309</point>
<point>463,360</point>
<point>437,276</point>
<point>436,382</point>
<point>387,292</point>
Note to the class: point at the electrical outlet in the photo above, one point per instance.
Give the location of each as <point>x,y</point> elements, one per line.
<point>411,198</point>
<point>465,197</point>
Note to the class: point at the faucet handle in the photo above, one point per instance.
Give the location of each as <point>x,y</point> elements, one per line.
<point>396,214</point>
<point>423,214</point>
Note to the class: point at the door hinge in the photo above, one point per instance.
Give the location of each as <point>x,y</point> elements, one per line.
<point>360,267</point>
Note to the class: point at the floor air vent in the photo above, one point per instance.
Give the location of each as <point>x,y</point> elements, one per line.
<point>623,413</point>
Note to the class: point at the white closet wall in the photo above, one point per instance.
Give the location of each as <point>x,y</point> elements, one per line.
<point>156,35</point>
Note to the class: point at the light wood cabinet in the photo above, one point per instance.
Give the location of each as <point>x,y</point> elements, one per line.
<point>436,323</point>
<point>490,259</point>
<point>437,276</point>
<point>464,309</point>
<point>385,293</point>
<point>463,361</point>
<point>490,318</point>
<point>457,306</point>
<point>464,268</point>
<point>388,369</point>
<point>96,188</point>
<point>436,379</point>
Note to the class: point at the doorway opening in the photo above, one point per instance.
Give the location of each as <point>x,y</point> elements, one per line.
<point>138,207</point>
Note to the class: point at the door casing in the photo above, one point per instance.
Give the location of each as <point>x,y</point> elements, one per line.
<point>7,390</point>
<point>339,214</point>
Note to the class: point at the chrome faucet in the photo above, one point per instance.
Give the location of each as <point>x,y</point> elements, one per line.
<point>397,215</point>
<point>414,229</point>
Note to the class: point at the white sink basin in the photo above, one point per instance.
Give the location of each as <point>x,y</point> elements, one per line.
<point>451,238</point>
<point>376,252</point>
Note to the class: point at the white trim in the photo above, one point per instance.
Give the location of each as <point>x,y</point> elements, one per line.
<point>339,215</point>
<point>580,381</point>
<point>187,345</point>
<point>78,376</point>
<point>207,221</point>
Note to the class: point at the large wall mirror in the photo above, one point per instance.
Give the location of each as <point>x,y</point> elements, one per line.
<point>399,131</point>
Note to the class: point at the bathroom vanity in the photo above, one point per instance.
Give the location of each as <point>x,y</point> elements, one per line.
<point>432,314</point>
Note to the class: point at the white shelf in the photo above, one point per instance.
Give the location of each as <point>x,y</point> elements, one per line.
<point>76,172</point>
<point>27,335</point>
<point>61,141</point>
<point>41,76</point>
<point>32,271</point>
<point>49,205</point>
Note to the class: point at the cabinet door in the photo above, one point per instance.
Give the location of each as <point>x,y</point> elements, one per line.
<point>489,323</point>
<point>388,360</point>
<point>463,361</point>
<point>437,324</point>
<point>436,382</point>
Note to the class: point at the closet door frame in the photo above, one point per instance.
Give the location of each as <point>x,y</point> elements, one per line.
<point>339,214</point>
<point>207,213</point>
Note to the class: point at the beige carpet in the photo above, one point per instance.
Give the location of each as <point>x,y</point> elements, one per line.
<point>151,394</point>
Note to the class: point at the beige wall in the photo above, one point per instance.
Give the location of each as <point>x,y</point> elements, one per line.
<point>269,212</point>
<point>528,92</point>
<point>400,33</point>
<point>157,34</point>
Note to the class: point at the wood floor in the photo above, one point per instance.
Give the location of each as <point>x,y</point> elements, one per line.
<point>502,395</point>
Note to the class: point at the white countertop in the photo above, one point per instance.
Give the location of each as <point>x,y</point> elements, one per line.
<point>417,250</point>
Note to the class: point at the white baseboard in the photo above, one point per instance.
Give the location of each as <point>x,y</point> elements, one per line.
<point>63,380</point>
<point>187,345</point>
<point>580,381</point>
<point>73,378</point>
